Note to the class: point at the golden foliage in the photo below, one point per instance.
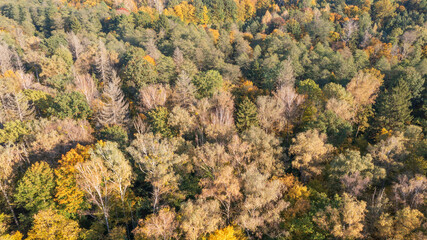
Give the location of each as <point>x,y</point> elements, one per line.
<point>150,60</point>
<point>49,225</point>
<point>214,33</point>
<point>296,190</point>
<point>68,195</point>
<point>228,233</point>
<point>245,9</point>
<point>185,11</point>
<point>154,14</point>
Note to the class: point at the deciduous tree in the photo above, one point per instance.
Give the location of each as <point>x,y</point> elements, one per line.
<point>35,190</point>
<point>345,220</point>
<point>68,196</point>
<point>161,225</point>
<point>310,152</point>
<point>50,225</point>
<point>200,217</point>
<point>155,157</point>
<point>11,157</point>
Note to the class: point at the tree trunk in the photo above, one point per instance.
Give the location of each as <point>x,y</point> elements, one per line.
<point>106,221</point>
<point>10,205</point>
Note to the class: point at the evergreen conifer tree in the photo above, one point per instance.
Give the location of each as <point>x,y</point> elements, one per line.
<point>246,115</point>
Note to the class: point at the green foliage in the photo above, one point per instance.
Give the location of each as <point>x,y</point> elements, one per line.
<point>114,133</point>
<point>14,131</point>
<point>351,162</point>
<point>40,100</point>
<point>311,89</point>
<point>193,73</point>
<point>53,43</point>
<point>70,105</point>
<point>35,190</point>
<point>207,83</point>
<point>158,118</point>
<point>58,81</point>
<point>166,69</point>
<point>139,72</point>
<point>394,107</point>
<point>65,54</point>
<point>246,115</point>
<point>336,128</point>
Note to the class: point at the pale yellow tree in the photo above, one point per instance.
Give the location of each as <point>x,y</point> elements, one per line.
<point>365,86</point>
<point>156,158</point>
<point>310,152</point>
<point>345,221</point>
<point>161,225</point>
<point>93,178</point>
<point>199,218</point>
<point>10,158</point>
<point>403,225</point>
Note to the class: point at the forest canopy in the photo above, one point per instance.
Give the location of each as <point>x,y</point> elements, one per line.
<point>213,119</point>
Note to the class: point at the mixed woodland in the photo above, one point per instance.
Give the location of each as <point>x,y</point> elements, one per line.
<point>213,119</point>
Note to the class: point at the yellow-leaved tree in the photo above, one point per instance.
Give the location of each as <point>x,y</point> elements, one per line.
<point>68,196</point>
<point>228,233</point>
<point>49,225</point>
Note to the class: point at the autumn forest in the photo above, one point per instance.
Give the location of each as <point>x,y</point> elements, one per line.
<point>213,119</point>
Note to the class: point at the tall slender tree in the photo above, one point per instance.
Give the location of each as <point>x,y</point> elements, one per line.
<point>115,109</point>
<point>394,107</point>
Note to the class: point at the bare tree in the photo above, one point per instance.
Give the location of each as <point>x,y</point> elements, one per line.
<point>15,106</point>
<point>26,80</point>
<point>178,57</point>
<point>408,38</point>
<point>411,192</point>
<point>119,168</point>
<point>184,91</point>
<point>157,4</point>
<point>115,109</point>
<point>222,111</point>
<point>155,157</point>
<point>270,111</point>
<point>151,48</point>
<point>290,103</point>
<point>162,225</point>
<point>10,158</point>
<point>153,96</point>
<point>103,64</point>
<point>220,180</point>
<point>350,27</point>
<point>263,204</point>
<point>140,125</point>
<point>286,76</point>
<point>354,183</point>
<point>93,178</point>
<point>6,58</point>
<point>75,44</point>
<point>85,84</point>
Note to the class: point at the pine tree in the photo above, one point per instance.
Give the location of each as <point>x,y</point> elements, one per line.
<point>246,115</point>
<point>394,108</point>
<point>115,110</point>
